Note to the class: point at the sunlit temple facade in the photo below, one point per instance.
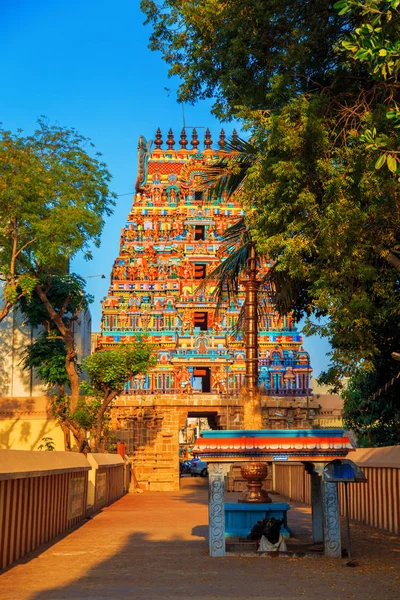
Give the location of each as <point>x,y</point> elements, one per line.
<point>170,242</point>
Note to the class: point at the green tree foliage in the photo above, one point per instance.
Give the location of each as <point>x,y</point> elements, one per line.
<point>260,55</point>
<point>53,199</point>
<point>327,218</point>
<point>375,43</point>
<point>371,406</point>
<point>107,373</point>
<point>56,304</point>
<point>255,54</point>
<point>47,356</point>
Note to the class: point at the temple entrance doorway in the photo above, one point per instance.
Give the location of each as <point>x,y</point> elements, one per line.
<point>202,379</point>
<point>196,422</point>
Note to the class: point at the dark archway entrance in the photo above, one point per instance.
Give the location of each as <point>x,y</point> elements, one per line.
<point>203,376</point>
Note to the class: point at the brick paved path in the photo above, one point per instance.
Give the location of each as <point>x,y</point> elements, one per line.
<point>152,546</point>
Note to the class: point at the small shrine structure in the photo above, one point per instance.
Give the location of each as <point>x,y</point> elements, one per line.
<point>314,448</point>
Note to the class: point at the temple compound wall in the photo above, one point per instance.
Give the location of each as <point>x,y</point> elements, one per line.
<point>169,244</point>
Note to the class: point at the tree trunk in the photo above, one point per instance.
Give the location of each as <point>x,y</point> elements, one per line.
<point>5,310</point>
<point>70,426</point>
<point>68,338</point>
<point>73,375</point>
<point>251,325</point>
<point>98,432</point>
<point>98,442</point>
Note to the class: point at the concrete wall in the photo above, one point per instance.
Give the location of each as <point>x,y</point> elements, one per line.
<point>106,479</point>
<point>14,338</point>
<point>42,494</point>
<point>24,422</point>
<point>330,409</point>
<point>16,382</point>
<point>83,335</point>
<point>375,503</point>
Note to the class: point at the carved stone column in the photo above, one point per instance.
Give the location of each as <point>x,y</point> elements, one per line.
<point>317,508</point>
<point>216,512</point>
<point>333,545</point>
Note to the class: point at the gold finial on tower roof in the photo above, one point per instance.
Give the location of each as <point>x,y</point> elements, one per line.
<point>207,139</point>
<point>221,141</point>
<point>183,141</point>
<point>195,141</point>
<point>234,138</point>
<point>158,142</point>
<point>170,140</point>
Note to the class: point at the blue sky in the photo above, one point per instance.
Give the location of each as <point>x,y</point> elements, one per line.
<point>86,64</point>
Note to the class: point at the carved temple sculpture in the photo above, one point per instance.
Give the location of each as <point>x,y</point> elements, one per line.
<point>171,240</point>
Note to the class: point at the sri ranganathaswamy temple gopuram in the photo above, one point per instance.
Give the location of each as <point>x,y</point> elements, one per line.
<point>170,241</point>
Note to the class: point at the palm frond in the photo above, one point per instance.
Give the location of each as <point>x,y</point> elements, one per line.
<point>289,294</point>
<point>239,326</point>
<point>235,235</point>
<point>229,174</point>
<point>228,273</point>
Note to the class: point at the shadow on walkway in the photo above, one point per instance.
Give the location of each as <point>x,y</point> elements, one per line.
<point>154,546</point>
<point>145,569</point>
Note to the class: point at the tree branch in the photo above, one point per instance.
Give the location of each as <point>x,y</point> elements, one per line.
<point>55,317</point>
<point>389,256</point>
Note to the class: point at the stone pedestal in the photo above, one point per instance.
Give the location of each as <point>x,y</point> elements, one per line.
<point>241,518</point>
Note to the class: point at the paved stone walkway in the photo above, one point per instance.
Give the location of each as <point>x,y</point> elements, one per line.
<point>153,546</point>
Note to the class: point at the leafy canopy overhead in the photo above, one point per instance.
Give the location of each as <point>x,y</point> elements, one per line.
<point>371,400</point>
<point>54,196</point>
<point>255,54</point>
<point>261,55</point>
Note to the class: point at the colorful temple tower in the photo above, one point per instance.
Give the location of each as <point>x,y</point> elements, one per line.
<point>171,241</point>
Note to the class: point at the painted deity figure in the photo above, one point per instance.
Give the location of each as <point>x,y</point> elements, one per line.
<point>183,381</point>
<point>187,322</point>
<point>202,342</point>
<point>172,194</point>
<point>219,381</point>
<point>153,272</point>
<point>186,270</point>
<point>217,323</point>
<point>186,383</point>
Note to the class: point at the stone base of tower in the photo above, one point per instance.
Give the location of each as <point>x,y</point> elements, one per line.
<point>150,426</point>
